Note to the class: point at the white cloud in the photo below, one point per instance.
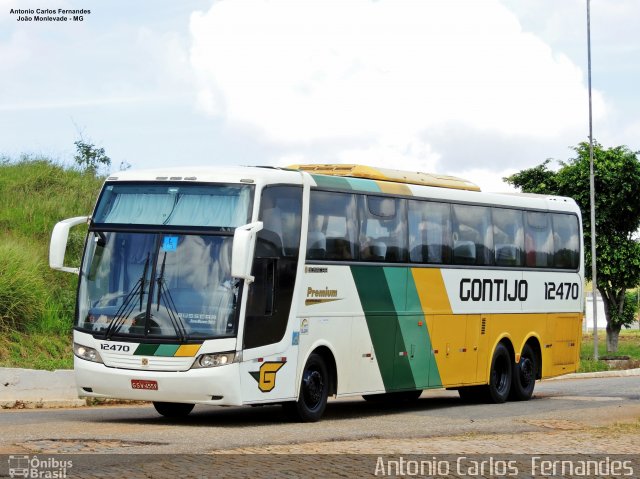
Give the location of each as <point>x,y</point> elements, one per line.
<point>332,70</point>
<point>488,180</point>
<point>89,66</point>
<point>403,154</point>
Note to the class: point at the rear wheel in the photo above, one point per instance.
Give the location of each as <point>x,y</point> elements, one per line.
<point>173,409</point>
<point>524,375</point>
<point>500,377</point>
<point>314,391</point>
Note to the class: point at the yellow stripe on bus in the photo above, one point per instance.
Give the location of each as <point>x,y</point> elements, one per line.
<point>187,350</point>
<point>394,188</point>
<point>431,291</point>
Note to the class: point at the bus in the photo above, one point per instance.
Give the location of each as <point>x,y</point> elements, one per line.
<point>259,285</point>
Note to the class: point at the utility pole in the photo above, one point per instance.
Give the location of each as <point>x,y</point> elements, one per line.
<point>592,195</point>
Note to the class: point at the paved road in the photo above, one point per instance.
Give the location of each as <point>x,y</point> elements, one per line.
<point>560,404</point>
<point>567,416</point>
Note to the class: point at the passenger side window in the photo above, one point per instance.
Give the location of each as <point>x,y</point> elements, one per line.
<point>566,243</point>
<point>333,228</point>
<point>538,240</point>
<point>429,232</point>
<point>383,234</point>
<point>472,235</point>
<point>508,237</point>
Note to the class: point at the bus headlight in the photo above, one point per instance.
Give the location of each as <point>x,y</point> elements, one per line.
<point>86,353</point>
<point>214,360</point>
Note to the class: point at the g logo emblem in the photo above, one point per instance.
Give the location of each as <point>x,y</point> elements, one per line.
<point>145,362</point>
<point>266,376</point>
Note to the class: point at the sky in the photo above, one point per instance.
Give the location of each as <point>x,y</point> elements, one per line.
<point>478,89</point>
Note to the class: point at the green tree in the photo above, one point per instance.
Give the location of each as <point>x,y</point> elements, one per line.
<point>89,157</point>
<point>617,180</point>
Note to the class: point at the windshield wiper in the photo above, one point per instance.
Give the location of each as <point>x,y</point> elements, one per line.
<point>142,279</point>
<point>172,311</point>
<point>128,304</point>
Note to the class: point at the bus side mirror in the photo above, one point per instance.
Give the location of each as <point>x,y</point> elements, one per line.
<point>244,242</point>
<point>58,245</point>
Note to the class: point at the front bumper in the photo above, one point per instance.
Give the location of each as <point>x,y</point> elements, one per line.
<point>216,386</point>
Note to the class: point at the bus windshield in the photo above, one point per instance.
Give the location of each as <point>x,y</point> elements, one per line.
<point>158,261</point>
<point>162,285</point>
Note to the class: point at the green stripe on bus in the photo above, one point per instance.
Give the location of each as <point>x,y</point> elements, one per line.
<point>397,326</point>
<point>333,182</point>
<point>146,349</point>
<point>406,344</point>
<point>380,315</point>
<point>396,279</point>
<point>360,184</point>
<point>166,350</point>
<point>342,183</point>
<point>427,360</point>
<point>379,301</point>
<point>409,372</point>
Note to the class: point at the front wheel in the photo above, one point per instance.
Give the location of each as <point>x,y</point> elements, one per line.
<point>524,375</point>
<point>173,409</point>
<point>314,391</point>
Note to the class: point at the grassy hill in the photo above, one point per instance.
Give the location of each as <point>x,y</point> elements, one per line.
<point>36,303</point>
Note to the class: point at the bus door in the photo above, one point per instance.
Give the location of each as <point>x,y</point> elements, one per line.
<point>269,362</point>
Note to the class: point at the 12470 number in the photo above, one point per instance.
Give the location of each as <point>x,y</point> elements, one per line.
<point>564,291</point>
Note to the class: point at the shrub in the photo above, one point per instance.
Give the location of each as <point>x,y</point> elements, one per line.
<point>23,289</point>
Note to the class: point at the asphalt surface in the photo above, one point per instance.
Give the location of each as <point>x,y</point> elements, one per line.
<point>139,429</point>
<point>567,419</point>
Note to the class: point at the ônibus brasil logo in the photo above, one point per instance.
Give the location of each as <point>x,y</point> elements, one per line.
<point>35,467</point>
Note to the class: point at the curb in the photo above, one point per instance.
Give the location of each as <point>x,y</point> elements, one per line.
<point>38,389</point>
<point>616,373</point>
<point>43,404</point>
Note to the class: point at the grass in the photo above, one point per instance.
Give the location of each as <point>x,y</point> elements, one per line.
<point>22,285</point>
<point>628,345</point>
<point>36,193</point>
<point>36,303</point>
<point>36,350</point>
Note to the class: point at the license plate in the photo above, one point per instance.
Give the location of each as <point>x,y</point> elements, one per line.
<point>144,384</point>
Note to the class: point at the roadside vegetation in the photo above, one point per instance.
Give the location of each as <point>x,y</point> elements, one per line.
<point>628,346</point>
<point>617,209</point>
<point>36,303</point>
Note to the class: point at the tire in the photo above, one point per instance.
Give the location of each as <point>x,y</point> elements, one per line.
<point>500,376</point>
<point>524,375</point>
<point>173,410</point>
<point>314,391</point>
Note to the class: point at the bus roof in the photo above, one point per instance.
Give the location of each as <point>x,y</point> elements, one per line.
<point>385,174</point>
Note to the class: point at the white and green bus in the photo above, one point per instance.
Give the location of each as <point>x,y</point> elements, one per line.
<point>251,285</point>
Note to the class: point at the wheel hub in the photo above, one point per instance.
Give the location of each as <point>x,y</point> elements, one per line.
<point>313,386</point>
<point>526,371</point>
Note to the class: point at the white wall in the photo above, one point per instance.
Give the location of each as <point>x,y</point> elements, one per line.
<point>587,325</point>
